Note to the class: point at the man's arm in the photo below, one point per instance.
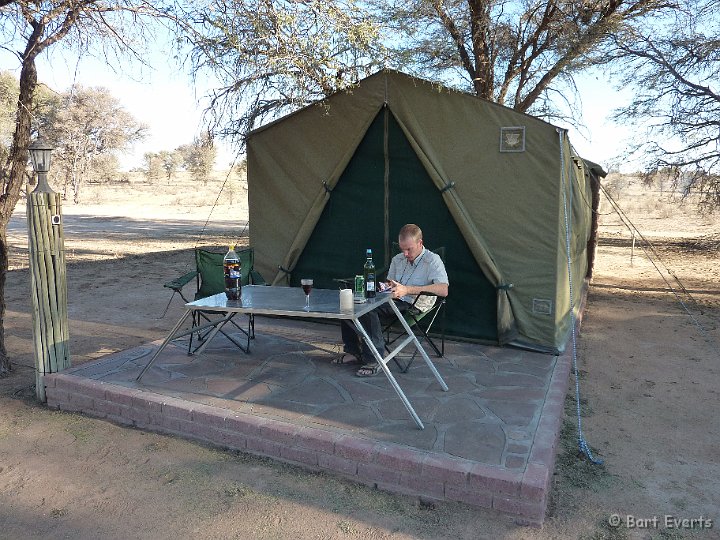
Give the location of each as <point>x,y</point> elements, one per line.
<point>399,290</point>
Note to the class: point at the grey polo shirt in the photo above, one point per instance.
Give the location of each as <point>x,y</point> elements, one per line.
<point>427,268</point>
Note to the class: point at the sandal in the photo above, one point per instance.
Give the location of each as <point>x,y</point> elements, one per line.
<point>346,359</point>
<point>368,370</point>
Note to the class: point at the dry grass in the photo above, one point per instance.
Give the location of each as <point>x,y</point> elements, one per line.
<point>223,197</point>
<point>143,217</point>
<point>653,211</point>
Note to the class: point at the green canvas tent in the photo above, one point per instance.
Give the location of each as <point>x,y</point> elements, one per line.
<point>489,184</point>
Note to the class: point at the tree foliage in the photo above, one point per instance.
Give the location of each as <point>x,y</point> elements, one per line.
<point>675,67</point>
<point>88,126</point>
<point>166,163</point>
<point>199,157</point>
<point>170,162</point>
<point>273,56</point>
<point>45,101</point>
<point>9,90</point>
<point>519,53</point>
<point>152,166</point>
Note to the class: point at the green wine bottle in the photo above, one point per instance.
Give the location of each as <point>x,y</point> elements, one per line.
<point>369,275</point>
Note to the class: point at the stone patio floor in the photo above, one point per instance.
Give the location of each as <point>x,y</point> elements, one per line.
<point>489,441</point>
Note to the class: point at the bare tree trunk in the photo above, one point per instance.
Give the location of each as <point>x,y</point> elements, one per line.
<point>14,174</point>
<point>5,365</point>
<point>76,186</point>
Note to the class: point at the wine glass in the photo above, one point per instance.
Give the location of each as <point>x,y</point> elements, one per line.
<point>307,285</point>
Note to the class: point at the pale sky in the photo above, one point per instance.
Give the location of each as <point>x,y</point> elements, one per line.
<point>604,140</point>
<point>165,100</point>
<point>160,96</point>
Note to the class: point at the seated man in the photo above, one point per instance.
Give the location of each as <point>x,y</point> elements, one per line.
<point>412,271</point>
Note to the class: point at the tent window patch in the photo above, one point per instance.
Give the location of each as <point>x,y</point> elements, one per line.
<point>542,306</point>
<point>512,139</point>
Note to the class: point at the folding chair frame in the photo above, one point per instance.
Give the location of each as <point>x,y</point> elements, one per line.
<point>415,322</point>
<point>177,285</point>
<point>249,333</point>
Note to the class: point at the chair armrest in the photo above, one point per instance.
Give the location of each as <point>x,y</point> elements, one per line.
<point>178,283</point>
<point>426,293</point>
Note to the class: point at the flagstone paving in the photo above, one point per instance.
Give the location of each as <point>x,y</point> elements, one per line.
<point>494,431</point>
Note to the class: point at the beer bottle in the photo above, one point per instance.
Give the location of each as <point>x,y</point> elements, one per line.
<point>232,269</point>
<point>369,275</point>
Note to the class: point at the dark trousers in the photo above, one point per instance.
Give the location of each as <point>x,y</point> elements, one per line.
<point>373,323</point>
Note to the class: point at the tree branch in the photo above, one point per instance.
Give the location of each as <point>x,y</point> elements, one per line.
<point>457,39</point>
<point>67,25</point>
<point>594,33</point>
<point>657,57</point>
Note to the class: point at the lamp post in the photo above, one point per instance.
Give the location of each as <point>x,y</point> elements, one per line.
<point>48,281</point>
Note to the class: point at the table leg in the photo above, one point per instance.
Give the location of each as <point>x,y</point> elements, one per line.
<point>169,338</point>
<point>244,348</point>
<point>419,347</point>
<point>220,323</point>
<point>380,360</point>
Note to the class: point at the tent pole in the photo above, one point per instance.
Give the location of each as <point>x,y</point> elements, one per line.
<point>386,210</point>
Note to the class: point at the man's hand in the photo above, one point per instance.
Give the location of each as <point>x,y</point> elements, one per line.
<point>398,289</point>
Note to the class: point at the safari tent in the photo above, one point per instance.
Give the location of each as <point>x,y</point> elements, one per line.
<point>501,191</point>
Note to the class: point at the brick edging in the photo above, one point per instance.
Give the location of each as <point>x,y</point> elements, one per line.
<point>388,466</point>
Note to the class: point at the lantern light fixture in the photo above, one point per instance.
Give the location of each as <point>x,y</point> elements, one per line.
<point>40,156</point>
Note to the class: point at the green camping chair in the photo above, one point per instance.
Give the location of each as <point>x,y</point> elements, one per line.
<point>210,279</point>
<point>421,322</point>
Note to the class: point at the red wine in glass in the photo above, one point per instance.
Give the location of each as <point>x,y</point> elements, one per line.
<point>307,285</point>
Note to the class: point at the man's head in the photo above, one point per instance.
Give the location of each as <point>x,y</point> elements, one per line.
<point>411,241</point>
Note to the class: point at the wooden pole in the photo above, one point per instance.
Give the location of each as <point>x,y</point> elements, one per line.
<point>61,278</point>
<point>48,284</point>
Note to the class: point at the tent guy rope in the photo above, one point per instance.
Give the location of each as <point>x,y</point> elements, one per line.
<point>566,186</point>
<point>217,199</point>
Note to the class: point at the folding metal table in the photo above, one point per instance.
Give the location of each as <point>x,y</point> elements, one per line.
<point>290,302</point>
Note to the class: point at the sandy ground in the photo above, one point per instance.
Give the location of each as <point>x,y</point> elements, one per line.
<point>648,379</point>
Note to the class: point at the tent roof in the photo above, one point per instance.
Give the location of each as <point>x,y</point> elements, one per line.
<point>437,87</point>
